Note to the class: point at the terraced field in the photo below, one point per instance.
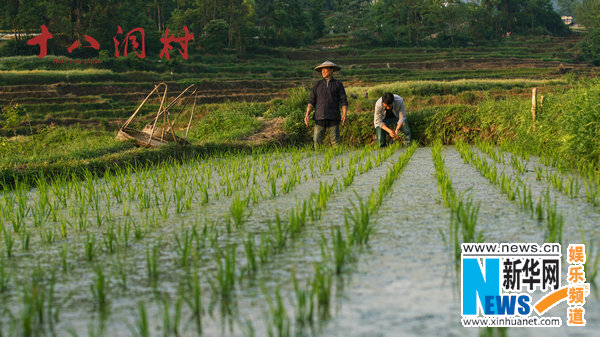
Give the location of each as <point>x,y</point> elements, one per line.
<point>67,94</point>
<point>346,241</point>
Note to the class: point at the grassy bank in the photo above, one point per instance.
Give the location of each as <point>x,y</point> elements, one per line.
<point>566,125</point>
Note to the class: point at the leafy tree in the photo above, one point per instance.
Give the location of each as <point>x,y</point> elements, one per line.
<point>567,7</point>
<point>216,35</point>
<point>12,115</point>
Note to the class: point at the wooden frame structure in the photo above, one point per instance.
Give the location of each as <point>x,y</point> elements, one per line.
<point>162,132</point>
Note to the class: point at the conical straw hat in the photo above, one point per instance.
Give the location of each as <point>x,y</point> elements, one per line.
<point>328,64</point>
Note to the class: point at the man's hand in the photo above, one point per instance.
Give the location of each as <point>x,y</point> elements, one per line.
<point>344,111</point>
<point>306,119</point>
<point>393,134</point>
<point>397,130</point>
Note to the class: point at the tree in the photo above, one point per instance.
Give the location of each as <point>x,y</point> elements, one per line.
<point>587,13</point>
<point>216,35</point>
<point>316,18</point>
<point>567,7</point>
<point>12,115</point>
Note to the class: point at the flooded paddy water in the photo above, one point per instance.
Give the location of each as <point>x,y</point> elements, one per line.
<point>345,242</point>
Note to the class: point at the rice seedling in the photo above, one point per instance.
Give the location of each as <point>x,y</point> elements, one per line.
<point>251,261</point>
<point>572,187</point>
<point>297,219</point>
<point>82,220</point>
<point>110,239</point>
<point>341,249</point>
<point>264,248</point>
<point>466,213</point>
<point>557,181</point>
<point>519,165</point>
<point>99,289</point>
<point>25,238</point>
<point>489,150</point>
<point>348,177</point>
<point>592,193</point>
<point>359,216</point>
<point>508,187</point>
<point>304,303</point>
<point>4,277</point>
<point>554,223</point>
<point>89,246</point>
<point>525,199</point>
<point>193,299</point>
<point>123,232</point>
<point>184,246</point>
<point>64,258</point>
<point>279,233</point>
<point>9,242</point>
<point>142,328</point>
<point>152,262</point>
<point>171,322</point>
<point>273,186</point>
<point>592,254</point>
<point>40,215</point>
<point>164,209</point>
<point>539,210</point>
<point>539,173</point>
<point>223,283</point>
<point>321,290</point>
<point>33,311</point>
<point>204,195</point>
<point>278,323</point>
<point>237,210</point>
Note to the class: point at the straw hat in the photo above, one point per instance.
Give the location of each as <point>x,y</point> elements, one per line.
<point>328,64</point>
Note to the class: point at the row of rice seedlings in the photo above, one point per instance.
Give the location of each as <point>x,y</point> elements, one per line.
<point>518,164</point>
<point>554,221</point>
<point>357,219</point>
<point>80,212</point>
<point>109,243</point>
<point>280,232</point>
<point>314,299</point>
<point>39,308</point>
<point>442,176</point>
<point>592,253</point>
<point>573,184</point>
<point>238,208</point>
<point>90,244</point>
<point>275,239</point>
<point>514,189</point>
<point>490,150</point>
<point>463,211</point>
<point>519,157</point>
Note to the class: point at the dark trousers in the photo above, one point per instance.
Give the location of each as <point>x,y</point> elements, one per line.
<point>332,131</point>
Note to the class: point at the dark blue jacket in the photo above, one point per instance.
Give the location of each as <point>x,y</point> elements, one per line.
<point>328,100</point>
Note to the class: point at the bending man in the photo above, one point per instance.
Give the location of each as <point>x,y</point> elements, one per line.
<point>390,119</point>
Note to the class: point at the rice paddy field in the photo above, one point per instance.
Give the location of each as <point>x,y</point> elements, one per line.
<point>335,242</point>
<point>248,231</point>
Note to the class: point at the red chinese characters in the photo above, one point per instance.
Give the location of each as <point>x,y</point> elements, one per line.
<point>42,41</point>
<point>183,42</point>
<point>130,37</point>
<point>93,44</point>
<point>129,43</point>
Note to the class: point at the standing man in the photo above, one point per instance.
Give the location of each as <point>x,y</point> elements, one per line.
<point>326,97</point>
<point>390,118</point>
